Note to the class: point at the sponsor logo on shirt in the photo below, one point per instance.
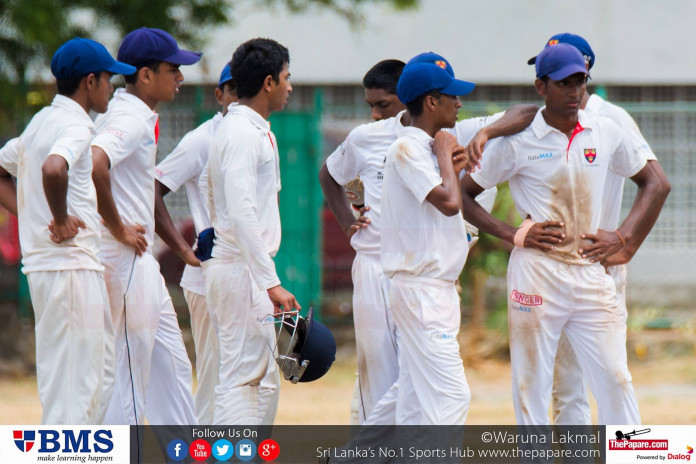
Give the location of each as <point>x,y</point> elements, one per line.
<point>524,299</point>
<point>523,309</point>
<point>540,156</point>
<point>590,154</point>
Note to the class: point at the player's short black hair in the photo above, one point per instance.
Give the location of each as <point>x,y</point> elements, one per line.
<point>229,84</point>
<point>253,61</point>
<point>384,75</point>
<point>133,78</point>
<point>415,107</point>
<point>68,87</point>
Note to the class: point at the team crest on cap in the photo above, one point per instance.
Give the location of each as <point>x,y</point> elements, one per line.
<point>24,439</point>
<point>441,64</point>
<point>553,41</point>
<point>590,154</point>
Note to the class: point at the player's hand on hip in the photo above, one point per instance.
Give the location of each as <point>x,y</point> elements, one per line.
<point>545,236</point>
<point>444,144</point>
<point>604,244</point>
<point>360,223</point>
<point>622,256</point>
<point>61,231</point>
<point>190,258</point>
<point>282,300</point>
<point>134,237</point>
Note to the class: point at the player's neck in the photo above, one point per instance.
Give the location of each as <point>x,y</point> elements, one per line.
<point>81,99</point>
<point>141,94</point>
<point>259,104</point>
<point>563,123</point>
<point>426,124</point>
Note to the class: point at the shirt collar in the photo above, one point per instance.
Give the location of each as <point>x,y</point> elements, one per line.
<point>255,118</point>
<point>144,110</point>
<point>542,129</point>
<point>419,135</point>
<point>67,103</point>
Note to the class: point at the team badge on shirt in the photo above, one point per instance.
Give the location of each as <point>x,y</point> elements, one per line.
<point>590,154</point>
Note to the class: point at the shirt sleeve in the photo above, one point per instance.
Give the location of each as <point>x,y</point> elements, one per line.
<point>498,163</point>
<point>626,161</point>
<point>346,162</point>
<point>184,163</point>
<point>466,129</point>
<point>415,168</point>
<point>635,137</point>
<point>120,137</point>
<point>239,162</point>
<point>71,144</point>
<point>9,155</point>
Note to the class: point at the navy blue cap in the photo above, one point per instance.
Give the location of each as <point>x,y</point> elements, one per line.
<point>574,40</point>
<point>146,45</point>
<point>78,57</point>
<point>426,72</point>
<point>225,75</point>
<point>560,61</point>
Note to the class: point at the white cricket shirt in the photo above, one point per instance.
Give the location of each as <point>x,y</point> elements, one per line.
<point>185,166</point>
<point>613,189</point>
<point>417,239</point>
<point>554,178</point>
<point>126,133</point>
<point>364,154</point>
<point>244,178</point>
<point>63,129</point>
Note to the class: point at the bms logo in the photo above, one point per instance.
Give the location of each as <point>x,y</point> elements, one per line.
<point>24,439</point>
<point>65,441</point>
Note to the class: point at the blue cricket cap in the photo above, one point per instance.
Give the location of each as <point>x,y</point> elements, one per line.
<point>146,45</point>
<point>426,72</point>
<point>226,75</point>
<point>574,40</point>
<point>78,57</point>
<point>560,61</point>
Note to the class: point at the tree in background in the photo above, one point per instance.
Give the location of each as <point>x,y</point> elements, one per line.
<point>31,31</point>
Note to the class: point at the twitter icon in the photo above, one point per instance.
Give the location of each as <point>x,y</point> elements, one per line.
<point>223,450</point>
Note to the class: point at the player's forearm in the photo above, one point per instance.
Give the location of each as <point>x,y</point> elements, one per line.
<point>105,200</point>
<point>335,196</point>
<point>54,176</point>
<point>646,209</point>
<point>477,216</point>
<point>8,192</point>
<point>515,119</point>
<point>165,228</point>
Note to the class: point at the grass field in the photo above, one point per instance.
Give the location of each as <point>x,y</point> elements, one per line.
<point>665,386</point>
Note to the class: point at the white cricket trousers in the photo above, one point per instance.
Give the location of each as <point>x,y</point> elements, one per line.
<point>74,345</point>
<point>153,371</point>
<point>547,297</point>
<point>207,357</point>
<point>570,404</point>
<point>375,334</point>
<point>431,388</point>
<point>249,381</point>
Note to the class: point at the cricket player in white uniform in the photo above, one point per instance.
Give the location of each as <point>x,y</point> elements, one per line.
<point>420,221</point>
<point>363,154</point>
<point>242,287</point>
<point>187,165</point>
<point>557,177</point>
<point>152,364</point>
<point>60,236</point>
<point>569,398</point>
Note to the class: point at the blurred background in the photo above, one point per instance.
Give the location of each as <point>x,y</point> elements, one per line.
<point>642,64</point>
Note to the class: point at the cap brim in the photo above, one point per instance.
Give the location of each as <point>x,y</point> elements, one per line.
<point>457,87</point>
<point>532,60</point>
<point>121,68</point>
<point>568,70</point>
<point>183,57</point>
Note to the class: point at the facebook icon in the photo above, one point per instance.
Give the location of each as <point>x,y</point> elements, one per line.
<point>177,450</point>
